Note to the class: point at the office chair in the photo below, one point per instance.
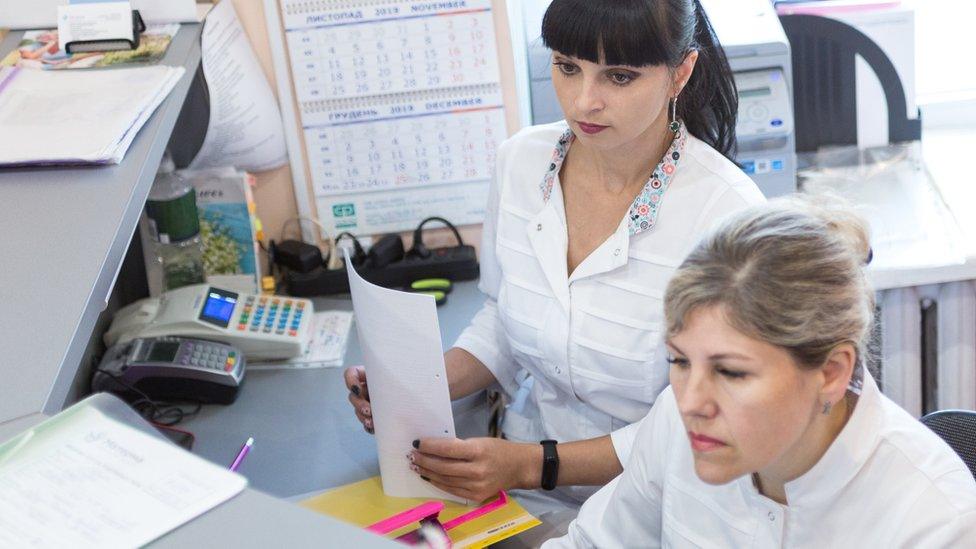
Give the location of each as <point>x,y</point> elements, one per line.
<point>824,55</point>
<point>958,429</point>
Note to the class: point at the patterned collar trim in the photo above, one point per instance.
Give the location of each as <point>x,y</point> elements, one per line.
<point>644,210</point>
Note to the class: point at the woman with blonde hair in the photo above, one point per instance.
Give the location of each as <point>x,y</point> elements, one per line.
<point>773,434</point>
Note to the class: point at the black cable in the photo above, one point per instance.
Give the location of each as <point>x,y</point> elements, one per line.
<point>162,412</point>
<point>417,232</point>
<point>419,249</point>
<point>359,253</point>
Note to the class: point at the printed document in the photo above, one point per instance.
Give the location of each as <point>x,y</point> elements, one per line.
<point>82,479</point>
<point>245,128</point>
<point>401,343</point>
<point>77,117</point>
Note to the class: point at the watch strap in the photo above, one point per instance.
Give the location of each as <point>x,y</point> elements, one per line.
<point>550,464</point>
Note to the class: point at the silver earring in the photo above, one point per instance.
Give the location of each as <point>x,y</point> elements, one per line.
<point>826,408</point>
<point>673,125</point>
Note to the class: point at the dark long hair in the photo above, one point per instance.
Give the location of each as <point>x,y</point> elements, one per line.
<point>654,32</point>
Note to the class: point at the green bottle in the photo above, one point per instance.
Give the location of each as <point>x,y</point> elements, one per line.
<point>175,227</point>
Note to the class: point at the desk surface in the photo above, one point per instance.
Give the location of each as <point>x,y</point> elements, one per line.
<point>65,233</point>
<point>306,437</point>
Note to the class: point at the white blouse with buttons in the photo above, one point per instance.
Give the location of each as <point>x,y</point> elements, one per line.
<point>590,342</point>
<point>886,481</point>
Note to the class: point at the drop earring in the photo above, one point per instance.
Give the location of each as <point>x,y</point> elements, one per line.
<point>826,408</point>
<point>673,124</point>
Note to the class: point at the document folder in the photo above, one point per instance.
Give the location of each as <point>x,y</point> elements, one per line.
<point>364,504</point>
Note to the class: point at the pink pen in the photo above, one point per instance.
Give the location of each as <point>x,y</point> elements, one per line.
<point>245,448</point>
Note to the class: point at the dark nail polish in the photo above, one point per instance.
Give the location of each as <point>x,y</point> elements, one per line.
<point>416,444</point>
<point>355,390</point>
<point>425,478</point>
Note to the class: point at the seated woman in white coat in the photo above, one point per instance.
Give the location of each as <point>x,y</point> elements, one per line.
<point>587,219</point>
<point>772,433</point>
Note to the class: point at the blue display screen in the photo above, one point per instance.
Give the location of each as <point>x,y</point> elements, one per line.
<point>219,307</point>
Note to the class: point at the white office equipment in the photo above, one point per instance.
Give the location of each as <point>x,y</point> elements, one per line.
<point>759,55</point>
<point>41,14</point>
<point>261,326</point>
<point>77,117</point>
<point>85,479</point>
<point>100,22</point>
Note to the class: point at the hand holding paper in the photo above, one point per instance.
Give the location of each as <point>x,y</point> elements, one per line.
<point>400,339</point>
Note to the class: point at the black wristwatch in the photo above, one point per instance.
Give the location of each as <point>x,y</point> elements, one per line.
<point>550,464</point>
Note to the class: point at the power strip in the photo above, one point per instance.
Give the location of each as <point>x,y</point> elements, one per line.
<point>455,263</point>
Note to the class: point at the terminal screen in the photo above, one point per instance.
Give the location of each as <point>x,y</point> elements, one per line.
<point>755,92</point>
<point>219,307</point>
<point>163,351</point>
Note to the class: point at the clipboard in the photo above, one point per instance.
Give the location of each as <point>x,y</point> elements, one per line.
<point>114,44</point>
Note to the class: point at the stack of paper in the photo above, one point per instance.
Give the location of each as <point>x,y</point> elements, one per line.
<point>87,478</point>
<point>77,117</point>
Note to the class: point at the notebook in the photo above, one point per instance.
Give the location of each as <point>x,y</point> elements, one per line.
<point>77,117</point>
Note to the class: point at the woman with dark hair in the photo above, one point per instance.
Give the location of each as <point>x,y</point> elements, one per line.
<point>587,220</point>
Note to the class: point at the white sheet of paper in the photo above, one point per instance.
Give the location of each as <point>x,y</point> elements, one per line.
<point>97,21</point>
<point>245,129</point>
<point>86,480</point>
<point>401,343</point>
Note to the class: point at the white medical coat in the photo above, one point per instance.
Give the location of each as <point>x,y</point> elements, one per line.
<point>886,481</point>
<point>592,342</point>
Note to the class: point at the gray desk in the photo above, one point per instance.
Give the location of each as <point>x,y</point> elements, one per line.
<point>306,437</point>
<point>65,232</point>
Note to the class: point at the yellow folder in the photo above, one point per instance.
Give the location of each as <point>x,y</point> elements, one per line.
<point>363,503</point>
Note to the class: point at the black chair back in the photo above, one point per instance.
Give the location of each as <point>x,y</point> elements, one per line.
<point>958,429</point>
<point>824,90</point>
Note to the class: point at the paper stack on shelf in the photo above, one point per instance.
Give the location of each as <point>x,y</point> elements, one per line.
<point>77,117</point>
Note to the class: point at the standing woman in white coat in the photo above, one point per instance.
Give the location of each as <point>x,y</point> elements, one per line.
<point>587,220</point>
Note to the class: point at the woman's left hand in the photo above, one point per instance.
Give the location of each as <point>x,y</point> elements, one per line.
<point>476,468</point>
